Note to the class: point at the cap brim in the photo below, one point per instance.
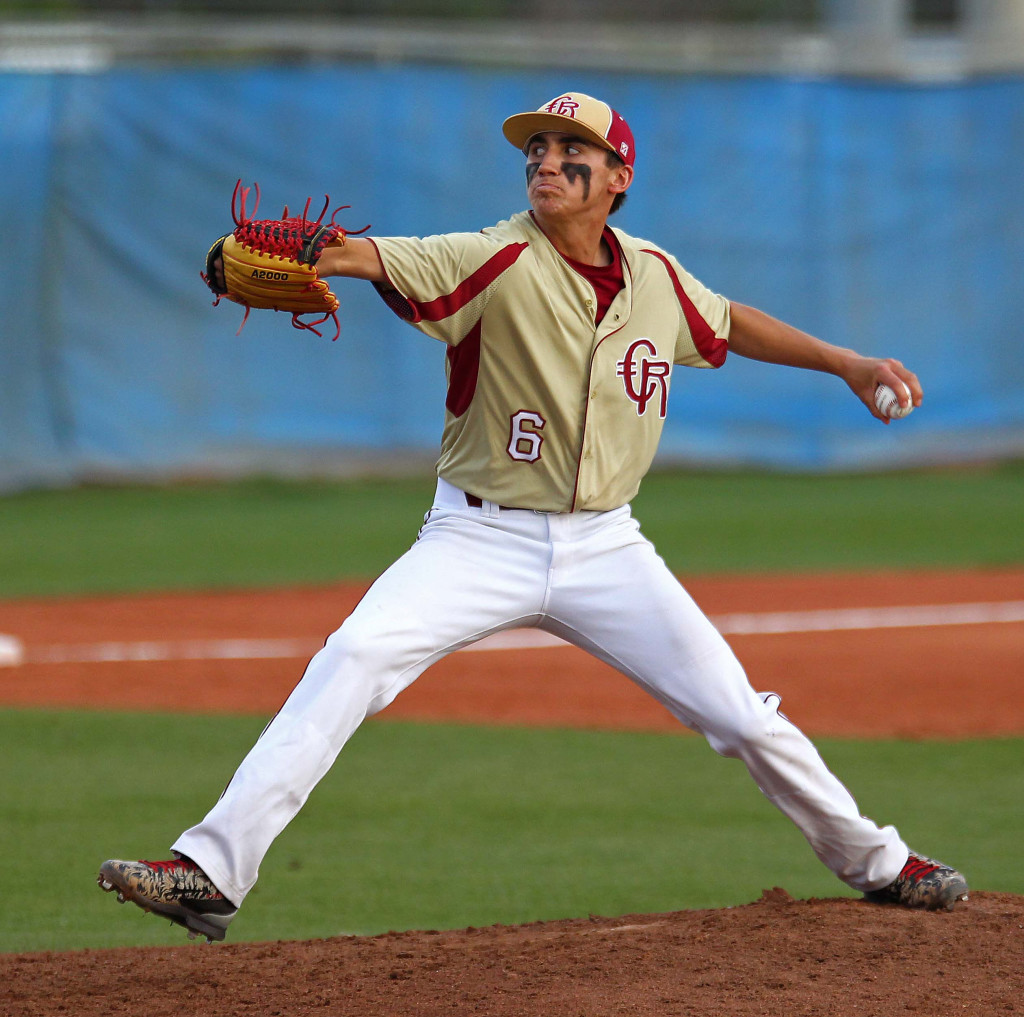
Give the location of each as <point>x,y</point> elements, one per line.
<point>520,128</point>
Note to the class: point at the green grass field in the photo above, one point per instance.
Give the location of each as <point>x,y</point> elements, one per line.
<point>265,532</point>
<point>440,826</point>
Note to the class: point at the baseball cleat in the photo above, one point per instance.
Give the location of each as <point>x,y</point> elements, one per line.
<point>177,889</point>
<point>923,883</point>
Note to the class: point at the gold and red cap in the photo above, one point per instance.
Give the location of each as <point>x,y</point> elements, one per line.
<point>575,113</point>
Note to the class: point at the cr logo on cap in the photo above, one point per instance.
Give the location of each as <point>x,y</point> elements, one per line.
<point>563,106</point>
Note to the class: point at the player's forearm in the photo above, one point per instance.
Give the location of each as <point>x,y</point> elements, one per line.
<point>759,336</point>
<point>357,259</point>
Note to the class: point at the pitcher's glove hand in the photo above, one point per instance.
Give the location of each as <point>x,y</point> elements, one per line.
<point>271,263</point>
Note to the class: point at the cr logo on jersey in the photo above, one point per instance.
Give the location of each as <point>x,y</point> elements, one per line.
<point>563,106</point>
<point>643,377</point>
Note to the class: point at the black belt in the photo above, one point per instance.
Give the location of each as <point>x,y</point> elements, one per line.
<point>474,502</point>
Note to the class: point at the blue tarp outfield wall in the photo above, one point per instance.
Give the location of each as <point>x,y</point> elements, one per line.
<point>884,216</point>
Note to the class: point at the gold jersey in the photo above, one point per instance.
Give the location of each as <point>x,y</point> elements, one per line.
<point>545,409</point>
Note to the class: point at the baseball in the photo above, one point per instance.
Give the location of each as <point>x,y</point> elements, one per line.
<point>887,403</point>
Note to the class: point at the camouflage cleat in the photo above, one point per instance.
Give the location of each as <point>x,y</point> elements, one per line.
<point>923,883</point>
<point>177,889</point>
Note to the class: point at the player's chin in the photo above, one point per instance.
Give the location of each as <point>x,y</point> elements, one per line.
<point>549,202</point>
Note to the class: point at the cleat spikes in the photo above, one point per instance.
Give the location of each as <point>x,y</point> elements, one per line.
<point>176,889</point>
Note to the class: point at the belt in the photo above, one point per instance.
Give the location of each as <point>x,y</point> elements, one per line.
<point>474,502</point>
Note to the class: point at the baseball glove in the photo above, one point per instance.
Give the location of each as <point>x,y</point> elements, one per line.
<point>271,263</point>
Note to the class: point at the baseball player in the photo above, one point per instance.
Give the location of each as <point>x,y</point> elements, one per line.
<point>563,337</point>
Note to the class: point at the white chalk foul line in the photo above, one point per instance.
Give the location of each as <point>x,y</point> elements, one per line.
<point>12,652</point>
<point>839,619</point>
<point>154,650</point>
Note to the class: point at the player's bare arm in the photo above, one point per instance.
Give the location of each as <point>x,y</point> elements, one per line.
<point>758,336</point>
<point>358,259</point>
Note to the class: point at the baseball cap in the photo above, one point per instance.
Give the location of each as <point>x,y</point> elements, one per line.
<point>575,113</point>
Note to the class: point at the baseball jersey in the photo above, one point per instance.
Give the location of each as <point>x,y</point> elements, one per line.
<point>545,409</point>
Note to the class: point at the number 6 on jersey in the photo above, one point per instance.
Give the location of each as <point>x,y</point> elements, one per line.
<point>524,442</point>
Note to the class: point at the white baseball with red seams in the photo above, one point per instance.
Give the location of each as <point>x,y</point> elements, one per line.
<point>888,403</point>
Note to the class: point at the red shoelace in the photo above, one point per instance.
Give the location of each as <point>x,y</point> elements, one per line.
<point>917,867</point>
<point>172,863</point>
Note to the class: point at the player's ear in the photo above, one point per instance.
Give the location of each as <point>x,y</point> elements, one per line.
<point>621,179</point>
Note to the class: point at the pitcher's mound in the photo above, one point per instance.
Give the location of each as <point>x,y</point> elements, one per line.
<point>777,956</point>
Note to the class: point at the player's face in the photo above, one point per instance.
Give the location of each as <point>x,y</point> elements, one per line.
<point>566,175</point>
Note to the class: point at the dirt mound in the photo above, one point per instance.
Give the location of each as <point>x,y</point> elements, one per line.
<point>829,958</point>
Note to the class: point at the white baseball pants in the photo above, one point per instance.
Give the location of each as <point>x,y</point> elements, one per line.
<point>589,577</point>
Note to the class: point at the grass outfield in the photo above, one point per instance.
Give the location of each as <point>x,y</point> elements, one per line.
<point>444,826</point>
<point>267,533</point>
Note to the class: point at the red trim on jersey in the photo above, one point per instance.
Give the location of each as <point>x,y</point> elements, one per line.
<point>402,306</point>
<point>709,346</point>
<point>470,287</point>
<point>586,407</point>
<point>607,280</point>
<point>463,370</point>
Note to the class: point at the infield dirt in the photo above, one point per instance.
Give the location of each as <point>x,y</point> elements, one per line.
<point>773,958</point>
<point>776,956</point>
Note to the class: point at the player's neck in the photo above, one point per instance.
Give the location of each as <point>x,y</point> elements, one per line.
<point>577,238</point>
